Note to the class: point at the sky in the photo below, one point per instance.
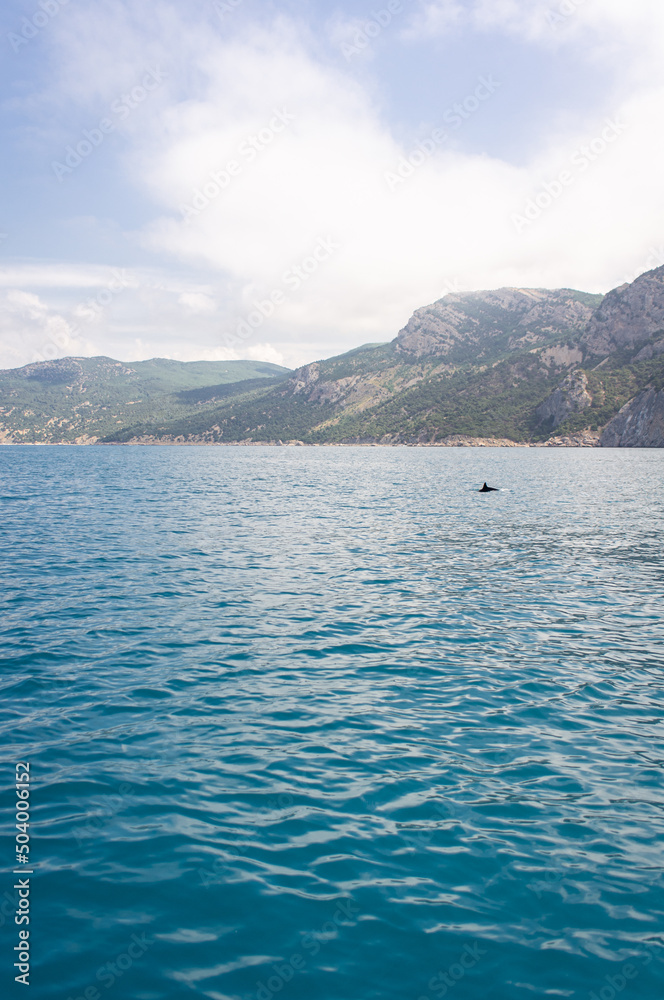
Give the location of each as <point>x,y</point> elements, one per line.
<point>287,181</point>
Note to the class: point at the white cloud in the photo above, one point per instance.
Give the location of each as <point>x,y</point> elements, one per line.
<point>52,310</point>
<point>31,331</point>
<point>197,302</point>
<point>265,352</point>
<point>317,172</point>
<point>628,33</point>
<point>48,274</point>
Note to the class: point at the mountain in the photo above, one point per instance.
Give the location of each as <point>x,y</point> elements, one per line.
<point>79,400</point>
<point>513,365</point>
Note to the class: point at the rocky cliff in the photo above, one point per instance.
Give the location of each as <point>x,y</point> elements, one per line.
<point>522,317</point>
<point>639,424</point>
<point>570,397</point>
<point>628,315</point>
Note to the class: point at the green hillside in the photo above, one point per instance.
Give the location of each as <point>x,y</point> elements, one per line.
<point>81,398</point>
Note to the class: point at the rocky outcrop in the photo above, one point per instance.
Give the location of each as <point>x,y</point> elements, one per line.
<point>529,315</point>
<point>628,315</point>
<point>434,330</point>
<point>561,356</point>
<point>570,397</point>
<point>582,439</point>
<point>650,351</point>
<point>304,378</point>
<point>307,381</point>
<point>58,372</point>
<point>72,371</point>
<point>639,424</point>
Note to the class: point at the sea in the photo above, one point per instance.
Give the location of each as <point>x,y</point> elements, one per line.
<point>328,724</point>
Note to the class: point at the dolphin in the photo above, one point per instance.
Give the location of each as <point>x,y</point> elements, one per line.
<point>488,489</point>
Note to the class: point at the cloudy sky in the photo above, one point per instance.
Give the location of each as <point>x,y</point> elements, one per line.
<point>287,180</point>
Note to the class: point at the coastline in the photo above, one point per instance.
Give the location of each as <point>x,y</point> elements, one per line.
<point>588,439</point>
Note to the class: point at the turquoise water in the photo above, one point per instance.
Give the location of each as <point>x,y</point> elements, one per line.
<point>326,723</point>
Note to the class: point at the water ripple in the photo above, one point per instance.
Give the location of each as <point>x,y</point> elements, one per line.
<point>325,723</point>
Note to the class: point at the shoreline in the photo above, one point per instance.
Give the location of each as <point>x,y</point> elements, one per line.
<point>458,441</point>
